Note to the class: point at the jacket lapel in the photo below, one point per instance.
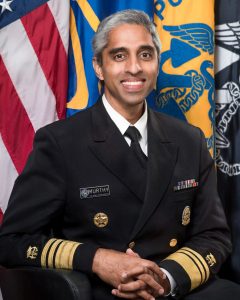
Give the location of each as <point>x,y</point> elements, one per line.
<point>110,147</point>
<point>162,156</point>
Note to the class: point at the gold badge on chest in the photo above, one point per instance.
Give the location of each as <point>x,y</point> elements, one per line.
<point>186,215</point>
<point>100,219</point>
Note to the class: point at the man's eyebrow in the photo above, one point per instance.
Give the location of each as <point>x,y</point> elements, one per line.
<point>124,49</point>
<point>116,50</point>
<point>146,47</point>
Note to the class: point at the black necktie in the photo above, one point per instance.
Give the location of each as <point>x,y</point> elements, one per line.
<point>135,135</point>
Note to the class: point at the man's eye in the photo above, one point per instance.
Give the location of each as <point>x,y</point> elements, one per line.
<point>146,55</point>
<point>119,57</point>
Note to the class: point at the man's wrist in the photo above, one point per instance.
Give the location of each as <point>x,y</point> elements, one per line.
<point>172,283</point>
<point>97,260</point>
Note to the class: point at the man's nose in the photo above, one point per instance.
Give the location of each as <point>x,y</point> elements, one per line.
<point>133,65</point>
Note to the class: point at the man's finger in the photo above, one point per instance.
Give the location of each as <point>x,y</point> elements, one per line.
<point>155,286</point>
<point>144,282</point>
<point>119,294</point>
<point>133,273</point>
<point>132,253</point>
<point>127,295</point>
<point>132,286</point>
<point>145,295</point>
<point>144,268</point>
<point>155,269</point>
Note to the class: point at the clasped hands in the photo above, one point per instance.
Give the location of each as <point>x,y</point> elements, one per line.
<point>131,276</point>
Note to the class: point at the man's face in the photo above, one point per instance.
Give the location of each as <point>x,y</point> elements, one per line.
<point>129,66</point>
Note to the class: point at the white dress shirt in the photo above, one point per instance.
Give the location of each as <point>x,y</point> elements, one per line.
<point>122,124</point>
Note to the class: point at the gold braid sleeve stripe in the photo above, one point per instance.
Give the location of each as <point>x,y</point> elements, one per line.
<point>51,255</point>
<point>202,263</point>
<point>58,253</point>
<point>45,251</point>
<point>64,255</point>
<point>193,264</point>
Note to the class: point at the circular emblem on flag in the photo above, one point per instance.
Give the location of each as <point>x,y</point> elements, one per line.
<point>186,216</point>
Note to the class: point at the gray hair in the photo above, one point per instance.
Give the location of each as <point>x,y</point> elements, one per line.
<point>128,16</point>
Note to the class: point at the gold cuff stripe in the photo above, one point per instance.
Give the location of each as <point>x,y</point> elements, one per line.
<point>65,254</point>
<point>202,264</point>
<point>45,252</point>
<point>197,266</point>
<point>58,259</point>
<point>189,267</point>
<point>58,253</point>
<point>193,264</point>
<point>50,257</point>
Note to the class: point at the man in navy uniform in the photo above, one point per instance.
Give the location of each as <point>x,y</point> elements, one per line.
<point>120,191</point>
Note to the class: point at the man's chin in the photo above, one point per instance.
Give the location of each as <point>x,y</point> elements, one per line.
<point>134,99</point>
<point>135,102</point>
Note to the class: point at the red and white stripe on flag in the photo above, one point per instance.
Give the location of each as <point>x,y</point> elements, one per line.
<point>33,82</point>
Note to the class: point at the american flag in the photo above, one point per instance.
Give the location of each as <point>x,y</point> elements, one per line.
<point>33,79</point>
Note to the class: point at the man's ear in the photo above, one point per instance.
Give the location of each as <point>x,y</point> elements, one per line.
<point>98,69</point>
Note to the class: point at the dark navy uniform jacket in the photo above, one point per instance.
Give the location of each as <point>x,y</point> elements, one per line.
<point>82,189</point>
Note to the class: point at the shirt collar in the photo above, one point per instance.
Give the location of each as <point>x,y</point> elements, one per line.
<point>123,124</point>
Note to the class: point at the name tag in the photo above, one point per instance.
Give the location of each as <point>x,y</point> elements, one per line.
<point>95,191</point>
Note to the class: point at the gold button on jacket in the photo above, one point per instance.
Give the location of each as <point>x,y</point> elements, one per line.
<point>100,219</point>
<point>131,245</point>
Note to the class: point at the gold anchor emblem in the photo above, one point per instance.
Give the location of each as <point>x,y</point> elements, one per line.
<point>211,260</point>
<point>32,252</point>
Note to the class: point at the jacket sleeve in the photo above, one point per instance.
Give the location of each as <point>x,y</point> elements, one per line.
<point>35,212</point>
<point>207,242</point>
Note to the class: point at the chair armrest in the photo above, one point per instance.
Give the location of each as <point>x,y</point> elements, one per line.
<point>29,283</point>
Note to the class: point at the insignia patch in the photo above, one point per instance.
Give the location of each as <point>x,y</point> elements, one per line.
<point>185,184</point>
<point>211,260</point>
<point>94,191</point>
<point>186,216</point>
<point>100,220</point>
<point>32,252</point>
